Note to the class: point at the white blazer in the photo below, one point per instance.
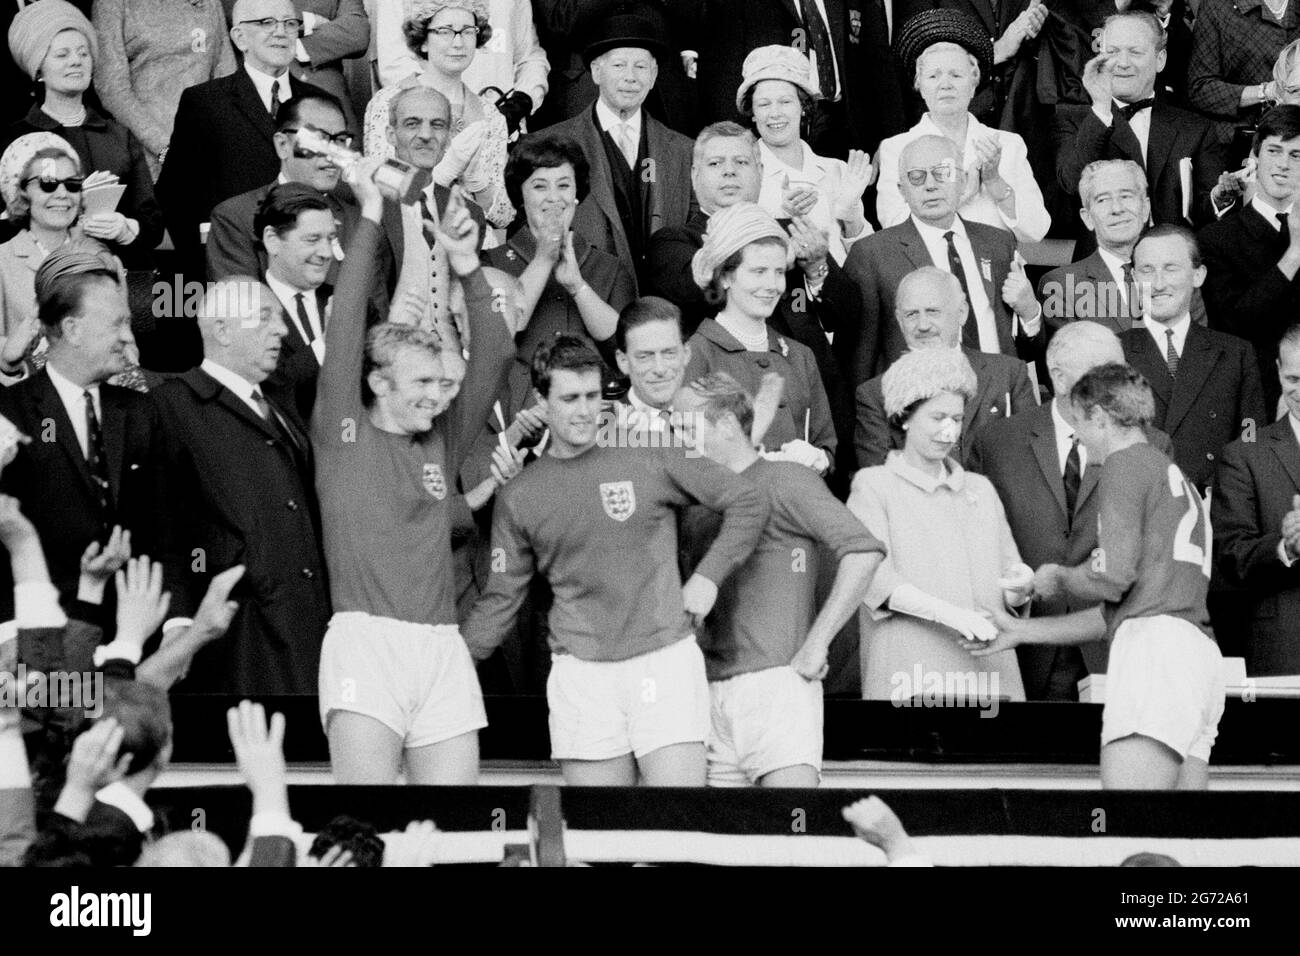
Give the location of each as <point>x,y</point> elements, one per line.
<point>826,175</point>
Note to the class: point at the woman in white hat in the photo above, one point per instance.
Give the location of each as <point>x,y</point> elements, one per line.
<point>947,54</point>
<point>776,92</point>
<point>446,36</point>
<point>950,554</point>
<point>742,266</point>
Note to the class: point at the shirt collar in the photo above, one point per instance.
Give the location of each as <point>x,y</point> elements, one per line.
<point>1179,327</point>
<point>935,234</point>
<point>1113,262</point>
<point>1295,425</point>
<point>124,798</point>
<point>954,477</point>
<point>240,386</point>
<point>285,293</point>
<point>609,120</point>
<point>69,390</point>
<point>811,164</point>
<point>1064,430</point>
<point>1267,211</point>
<point>263,83</point>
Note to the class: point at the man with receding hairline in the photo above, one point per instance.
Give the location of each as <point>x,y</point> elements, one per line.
<point>932,311</point>
<point>1005,316</point>
<point>223,140</point>
<point>239,470</point>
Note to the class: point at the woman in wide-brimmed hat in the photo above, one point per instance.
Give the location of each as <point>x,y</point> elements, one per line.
<point>777,93</point>
<point>950,555</point>
<point>946,53</point>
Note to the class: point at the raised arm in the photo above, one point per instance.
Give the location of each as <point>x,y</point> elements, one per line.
<point>338,389</point>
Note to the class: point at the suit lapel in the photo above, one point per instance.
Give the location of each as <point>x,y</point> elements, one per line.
<point>1194,369</point>
<point>1043,444</point>
<point>1287,450</point>
<point>1096,270</point>
<point>1160,144</point>
<point>1147,360</point>
<point>114,426</point>
<point>985,10</point>
<point>244,96</point>
<point>602,185</point>
<point>50,407</point>
<point>913,246</point>
<point>207,386</point>
<point>655,146</point>
<point>992,287</point>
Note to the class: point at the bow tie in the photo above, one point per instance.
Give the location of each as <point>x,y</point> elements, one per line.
<point>1130,110</point>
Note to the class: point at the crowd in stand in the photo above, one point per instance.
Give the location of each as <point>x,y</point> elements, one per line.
<point>632,353</point>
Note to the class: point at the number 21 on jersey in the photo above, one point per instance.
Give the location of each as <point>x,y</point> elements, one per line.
<point>1197,509</point>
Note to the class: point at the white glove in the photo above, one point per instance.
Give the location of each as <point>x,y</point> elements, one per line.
<point>911,600</point>
<point>801,453</point>
<point>1017,584</point>
<point>460,153</point>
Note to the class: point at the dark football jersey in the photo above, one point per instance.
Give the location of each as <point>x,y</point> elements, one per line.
<point>1154,539</point>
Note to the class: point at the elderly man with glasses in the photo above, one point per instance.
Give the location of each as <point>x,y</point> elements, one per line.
<point>1004,315</point>
<point>224,143</point>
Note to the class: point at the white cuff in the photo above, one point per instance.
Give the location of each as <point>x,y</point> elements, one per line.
<point>814,288</point>
<point>1282,555</point>
<point>173,622</point>
<point>1031,326</point>
<point>1097,113</point>
<point>36,604</point>
<point>131,229</point>
<point>90,590</point>
<point>274,824</point>
<point>118,651</point>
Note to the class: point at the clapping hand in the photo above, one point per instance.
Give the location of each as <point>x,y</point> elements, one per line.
<point>1098,82</point>
<point>797,200</point>
<point>98,565</point>
<point>847,206</point>
<point>811,244</point>
<point>458,234</point>
<point>1291,527</point>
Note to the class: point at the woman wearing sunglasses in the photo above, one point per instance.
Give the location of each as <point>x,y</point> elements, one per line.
<point>40,181</point>
<point>776,92</point>
<point>57,46</point>
<point>947,54</point>
<point>446,35</point>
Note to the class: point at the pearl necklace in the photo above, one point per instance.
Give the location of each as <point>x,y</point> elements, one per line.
<point>75,119</point>
<point>755,342</point>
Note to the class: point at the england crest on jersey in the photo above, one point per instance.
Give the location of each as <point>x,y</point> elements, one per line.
<point>619,499</point>
<point>434,483</point>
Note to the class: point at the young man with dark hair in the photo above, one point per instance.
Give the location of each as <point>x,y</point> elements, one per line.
<point>627,689</point>
<point>295,226</point>
<point>390,429</point>
<point>1151,570</point>
<point>1252,255</point>
<point>1206,383</point>
<point>765,645</point>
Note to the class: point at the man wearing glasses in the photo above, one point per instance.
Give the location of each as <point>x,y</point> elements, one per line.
<point>1004,315</point>
<point>223,143</point>
<point>232,248</point>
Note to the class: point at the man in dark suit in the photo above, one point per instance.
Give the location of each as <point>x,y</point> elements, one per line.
<point>931,312</point>
<point>1256,521</point>
<point>332,31</point>
<point>1178,149</point>
<point>232,248</point>
<point>819,298</point>
<point>223,140</point>
<point>1048,486</point>
<point>1100,286</point>
<point>1005,316</point>
<point>240,466</point>
<point>1206,384</point>
<point>1252,255</point>
<point>640,169</point>
<point>862,96</point>
<point>93,462</point>
<point>296,227</point>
